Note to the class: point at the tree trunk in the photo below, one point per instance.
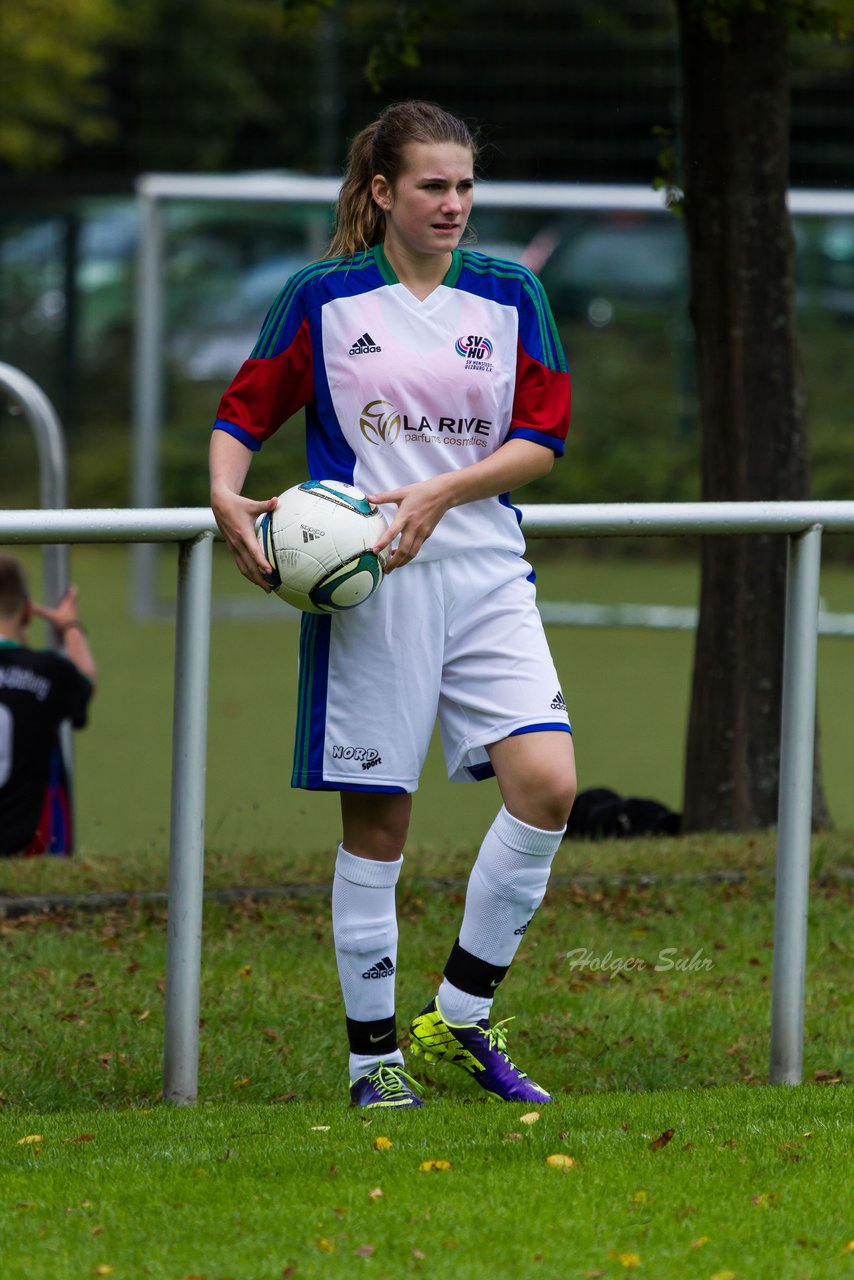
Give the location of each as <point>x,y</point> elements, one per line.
<point>735,150</point>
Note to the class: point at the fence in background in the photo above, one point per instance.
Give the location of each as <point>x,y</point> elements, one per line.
<point>194,529</point>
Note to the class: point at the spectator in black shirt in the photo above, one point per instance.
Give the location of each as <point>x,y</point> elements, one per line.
<point>38,690</point>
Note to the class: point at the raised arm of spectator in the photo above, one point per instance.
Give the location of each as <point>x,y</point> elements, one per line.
<point>65,619</point>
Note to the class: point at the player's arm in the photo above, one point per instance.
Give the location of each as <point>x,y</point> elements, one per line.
<point>235,515</point>
<point>421,506</point>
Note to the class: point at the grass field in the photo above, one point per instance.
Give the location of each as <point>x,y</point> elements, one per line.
<point>627,690</point>
<point>683,1165</point>
<point>751,1186</point>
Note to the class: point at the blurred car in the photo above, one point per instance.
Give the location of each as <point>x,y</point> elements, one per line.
<point>93,248</point>
<point>215,343</point>
<point>621,260</point>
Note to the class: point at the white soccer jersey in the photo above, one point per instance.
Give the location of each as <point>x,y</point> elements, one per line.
<point>398,389</point>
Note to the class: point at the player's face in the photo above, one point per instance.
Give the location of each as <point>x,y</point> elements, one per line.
<point>427,209</point>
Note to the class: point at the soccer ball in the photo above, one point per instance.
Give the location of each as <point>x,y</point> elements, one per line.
<point>318,541</point>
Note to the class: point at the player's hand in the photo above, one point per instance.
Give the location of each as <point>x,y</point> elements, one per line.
<point>420,507</point>
<point>236,516</point>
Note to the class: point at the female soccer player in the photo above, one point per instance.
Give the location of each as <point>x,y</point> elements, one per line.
<point>433,379</point>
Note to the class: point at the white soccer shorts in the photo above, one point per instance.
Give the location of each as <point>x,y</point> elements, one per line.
<point>458,638</point>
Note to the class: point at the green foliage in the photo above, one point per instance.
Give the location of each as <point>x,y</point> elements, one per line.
<point>52,58</point>
<point>399,44</point>
<point>829,18</point>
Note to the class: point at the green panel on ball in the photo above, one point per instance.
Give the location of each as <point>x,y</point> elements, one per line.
<point>365,566</point>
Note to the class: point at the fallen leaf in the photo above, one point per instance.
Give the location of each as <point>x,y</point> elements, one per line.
<point>242,1081</point>
<point>723,1275</point>
<point>26,1204</point>
<point>640,1197</point>
<point>146,1013</point>
<point>511,1137</point>
<point>97,1230</point>
<point>82,1137</point>
<point>828,1077</point>
<point>530,1117</point>
<point>324,1245</point>
<point>434,1166</point>
<point>699,1242</point>
<point>245,971</point>
<point>320,1128</point>
<point>383,1144</point>
<point>849,1247</point>
<point>365,1251</point>
<point>376,1194</point>
<point>340,1211</point>
<point>764,1199</point>
<point>560,1161</point>
<point>627,1259</point>
<point>103,1269</point>
<point>419,1253</point>
<point>662,1140</point>
<point>30,1139</point>
<point>290,1269</point>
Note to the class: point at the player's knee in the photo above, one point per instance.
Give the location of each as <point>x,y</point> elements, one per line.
<point>551,796</point>
<point>375,826</point>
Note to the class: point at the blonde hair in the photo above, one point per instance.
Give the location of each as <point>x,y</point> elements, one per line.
<point>379,149</point>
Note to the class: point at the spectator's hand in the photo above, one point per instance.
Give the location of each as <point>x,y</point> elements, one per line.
<point>62,614</point>
<point>236,518</point>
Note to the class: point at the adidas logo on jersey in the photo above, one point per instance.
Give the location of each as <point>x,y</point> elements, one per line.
<point>382,969</point>
<point>558,702</point>
<point>364,346</point>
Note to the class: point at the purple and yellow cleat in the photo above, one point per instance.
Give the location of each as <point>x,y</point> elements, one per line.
<point>479,1049</point>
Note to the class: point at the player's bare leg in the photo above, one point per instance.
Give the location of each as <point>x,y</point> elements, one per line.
<point>364,925</point>
<point>536,774</point>
<point>375,824</point>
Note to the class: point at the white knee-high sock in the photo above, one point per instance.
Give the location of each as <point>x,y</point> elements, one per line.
<point>507,884</point>
<point>364,928</point>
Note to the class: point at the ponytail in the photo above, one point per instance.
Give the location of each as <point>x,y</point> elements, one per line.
<point>359,222</point>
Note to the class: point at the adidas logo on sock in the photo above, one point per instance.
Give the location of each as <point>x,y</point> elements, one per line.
<point>558,702</point>
<point>382,969</point>
<point>364,346</point>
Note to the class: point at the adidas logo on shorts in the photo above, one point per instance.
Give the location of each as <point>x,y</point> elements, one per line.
<point>558,702</point>
<point>364,346</point>
<point>382,969</point>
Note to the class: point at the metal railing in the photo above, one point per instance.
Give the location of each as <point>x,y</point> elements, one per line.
<point>194,530</point>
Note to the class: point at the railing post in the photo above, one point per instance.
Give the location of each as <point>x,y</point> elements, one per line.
<point>797,743</point>
<point>147,397</point>
<point>187,826</point>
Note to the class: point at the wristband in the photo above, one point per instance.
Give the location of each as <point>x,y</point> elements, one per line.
<point>69,626</point>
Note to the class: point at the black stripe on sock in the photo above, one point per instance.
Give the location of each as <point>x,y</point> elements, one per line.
<point>372,1037</point>
<point>471,974</point>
